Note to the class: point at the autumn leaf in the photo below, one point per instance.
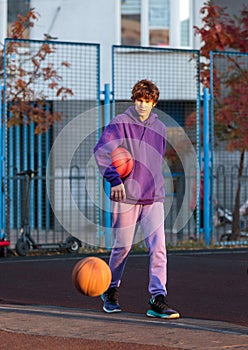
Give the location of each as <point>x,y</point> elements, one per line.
<point>66,64</point>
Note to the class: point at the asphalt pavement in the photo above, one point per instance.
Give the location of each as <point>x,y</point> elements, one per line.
<point>209,288</point>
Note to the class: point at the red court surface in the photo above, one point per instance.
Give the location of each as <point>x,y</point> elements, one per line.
<point>209,289</point>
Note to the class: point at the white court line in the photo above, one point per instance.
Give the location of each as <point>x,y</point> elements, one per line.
<point>219,327</point>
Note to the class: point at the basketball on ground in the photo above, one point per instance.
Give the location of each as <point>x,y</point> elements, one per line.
<point>91,276</point>
<point>123,161</point>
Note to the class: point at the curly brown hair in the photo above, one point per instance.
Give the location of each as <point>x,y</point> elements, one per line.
<point>145,89</point>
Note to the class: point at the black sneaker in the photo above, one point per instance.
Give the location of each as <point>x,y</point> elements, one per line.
<point>110,299</point>
<point>160,308</point>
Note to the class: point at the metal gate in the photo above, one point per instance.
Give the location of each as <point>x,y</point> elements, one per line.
<point>63,81</point>
<point>46,80</point>
<point>229,90</point>
<point>176,72</point>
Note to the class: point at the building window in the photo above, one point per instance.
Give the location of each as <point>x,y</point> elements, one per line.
<point>152,17</point>
<point>130,22</point>
<point>159,21</point>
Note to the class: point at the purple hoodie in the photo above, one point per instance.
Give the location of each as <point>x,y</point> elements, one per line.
<point>146,141</point>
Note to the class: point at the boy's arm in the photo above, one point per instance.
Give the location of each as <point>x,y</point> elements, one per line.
<point>109,141</point>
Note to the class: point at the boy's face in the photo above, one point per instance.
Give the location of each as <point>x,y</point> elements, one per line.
<point>143,108</point>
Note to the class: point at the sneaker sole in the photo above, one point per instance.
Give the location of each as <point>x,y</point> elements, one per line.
<point>151,313</point>
<point>111,311</point>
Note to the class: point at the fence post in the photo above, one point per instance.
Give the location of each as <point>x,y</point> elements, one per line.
<point>1,164</point>
<point>206,149</point>
<point>106,184</point>
<point>3,228</point>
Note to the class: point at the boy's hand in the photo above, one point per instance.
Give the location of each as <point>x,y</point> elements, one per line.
<point>118,193</point>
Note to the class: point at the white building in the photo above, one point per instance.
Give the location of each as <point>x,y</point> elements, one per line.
<point>118,22</point>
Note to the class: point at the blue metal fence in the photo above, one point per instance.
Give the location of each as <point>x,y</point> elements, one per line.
<point>77,69</point>
<point>2,156</point>
<point>52,210</point>
<point>176,73</point>
<point>229,83</point>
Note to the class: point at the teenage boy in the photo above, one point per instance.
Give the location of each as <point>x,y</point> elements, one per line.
<point>137,199</point>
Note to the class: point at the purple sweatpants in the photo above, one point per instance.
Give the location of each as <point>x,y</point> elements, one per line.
<point>124,221</point>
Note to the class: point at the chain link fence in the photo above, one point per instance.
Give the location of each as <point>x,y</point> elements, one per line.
<point>56,82</point>
<point>228,139</point>
<point>176,73</point>
<point>53,128</point>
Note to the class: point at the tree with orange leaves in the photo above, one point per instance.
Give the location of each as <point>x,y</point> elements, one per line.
<point>25,105</point>
<point>222,33</point>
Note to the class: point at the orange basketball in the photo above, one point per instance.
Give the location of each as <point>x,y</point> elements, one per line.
<point>91,276</point>
<point>123,161</point>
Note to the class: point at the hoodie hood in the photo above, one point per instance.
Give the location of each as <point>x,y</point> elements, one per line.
<point>143,125</point>
<point>133,115</point>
